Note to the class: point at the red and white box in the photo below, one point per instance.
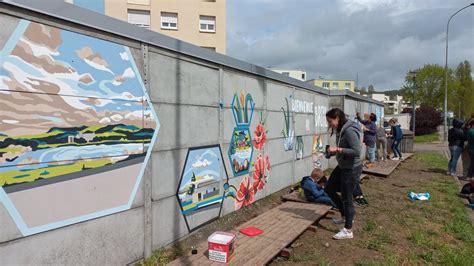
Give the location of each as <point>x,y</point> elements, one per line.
<point>221,246</point>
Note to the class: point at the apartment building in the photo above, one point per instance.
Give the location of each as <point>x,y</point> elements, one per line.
<point>200,22</point>
<point>393,104</point>
<point>334,84</point>
<point>296,74</point>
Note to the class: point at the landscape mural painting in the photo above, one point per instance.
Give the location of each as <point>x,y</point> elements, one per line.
<point>75,125</point>
<point>200,191</point>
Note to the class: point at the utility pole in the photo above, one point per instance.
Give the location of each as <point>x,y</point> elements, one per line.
<point>413,74</point>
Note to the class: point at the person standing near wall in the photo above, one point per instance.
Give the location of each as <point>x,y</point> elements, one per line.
<point>470,148</point>
<point>456,138</point>
<point>397,136</point>
<point>370,132</point>
<point>465,155</point>
<point>349,167</point>
<point>381,143</point>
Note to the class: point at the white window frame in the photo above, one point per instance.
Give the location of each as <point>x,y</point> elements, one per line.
<point>209,23</point>
<point>168,19</point>
<point>347,86</point>
<point>326,83</point>
<point>139,21</point>
<point>335,85</point>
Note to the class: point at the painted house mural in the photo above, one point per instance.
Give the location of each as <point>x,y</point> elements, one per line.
<point>75,125</point>
<point>200,189</point>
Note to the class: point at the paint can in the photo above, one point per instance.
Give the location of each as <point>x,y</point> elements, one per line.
<point>221,246</point>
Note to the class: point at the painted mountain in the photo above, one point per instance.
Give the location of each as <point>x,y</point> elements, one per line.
<point>68,103</point>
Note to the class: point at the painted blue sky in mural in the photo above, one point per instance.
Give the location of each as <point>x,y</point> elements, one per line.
<point>202,162</point>
<point>95,80</point>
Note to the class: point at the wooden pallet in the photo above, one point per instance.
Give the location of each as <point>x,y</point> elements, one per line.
<point>384,168</point>
<point>281,226</point>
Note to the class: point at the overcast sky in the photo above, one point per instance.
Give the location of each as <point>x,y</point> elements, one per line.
<point>379,39</point>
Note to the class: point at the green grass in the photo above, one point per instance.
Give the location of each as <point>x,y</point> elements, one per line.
<point>434,161</point>
<point>427,138</point>
<point>160,257</point>
<point>14,176</point>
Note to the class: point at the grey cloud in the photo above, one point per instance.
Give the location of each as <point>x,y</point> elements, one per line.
<point>326,38</point>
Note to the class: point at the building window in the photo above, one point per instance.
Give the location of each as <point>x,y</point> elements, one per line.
<point>335,85</point>
<point>209,48</point>
<point>169,21</point>
<point>140,18</point>
<point>326,85</point>
<point>139,2</point>
<point>207,24</point>
<point>285,73</point>
<point>347,86</point>
<point>303,76</point>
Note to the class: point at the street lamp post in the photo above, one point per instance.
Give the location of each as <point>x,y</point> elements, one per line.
<point>446,75</point>
<point>413,75</point>
<point>414,105</point>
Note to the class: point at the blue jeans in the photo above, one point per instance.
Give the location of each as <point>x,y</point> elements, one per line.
<point>325,200</point>
<point>453,162</point>
<point>371,153</point>
<point>396,149</point>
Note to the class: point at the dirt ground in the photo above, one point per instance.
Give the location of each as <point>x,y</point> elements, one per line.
<point>392,229</point>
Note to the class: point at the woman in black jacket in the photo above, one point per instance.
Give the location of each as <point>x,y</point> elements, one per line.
<point>456,140</point>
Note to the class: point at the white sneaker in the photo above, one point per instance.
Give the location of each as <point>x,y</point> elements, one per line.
<point>402,159</point>
<point>395,159</point>
<point>344,234</point>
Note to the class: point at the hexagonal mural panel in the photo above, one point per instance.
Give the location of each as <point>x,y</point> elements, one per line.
<point>75,127</point>
<point>201,187</point>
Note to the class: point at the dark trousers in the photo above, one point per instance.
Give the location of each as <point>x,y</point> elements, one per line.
<point>470,172</point>
<point>396,149</point>
<point>344,181</point>
<point>357,190</point>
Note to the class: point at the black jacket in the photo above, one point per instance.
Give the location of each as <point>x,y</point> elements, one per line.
<point>456,136</point>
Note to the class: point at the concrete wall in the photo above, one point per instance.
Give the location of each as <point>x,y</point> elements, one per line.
<point>193,100</point>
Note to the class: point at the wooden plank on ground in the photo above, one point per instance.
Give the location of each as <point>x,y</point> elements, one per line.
<point>281,225</point>
<point>384,168</point>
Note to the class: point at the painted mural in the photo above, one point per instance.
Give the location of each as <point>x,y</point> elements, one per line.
<point>75,125</point>
<point>240,148</point>
<point>320,122</point>
<point>200,189</point>
<point>299,147</point>
<point>317,151</point>
<point>288,131</point>
<point>249,186</point>
<point>240,151</point>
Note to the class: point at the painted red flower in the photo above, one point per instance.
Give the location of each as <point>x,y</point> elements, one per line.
<point>245,194</point>
<point>259,137</point>
<point>260,174</point>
